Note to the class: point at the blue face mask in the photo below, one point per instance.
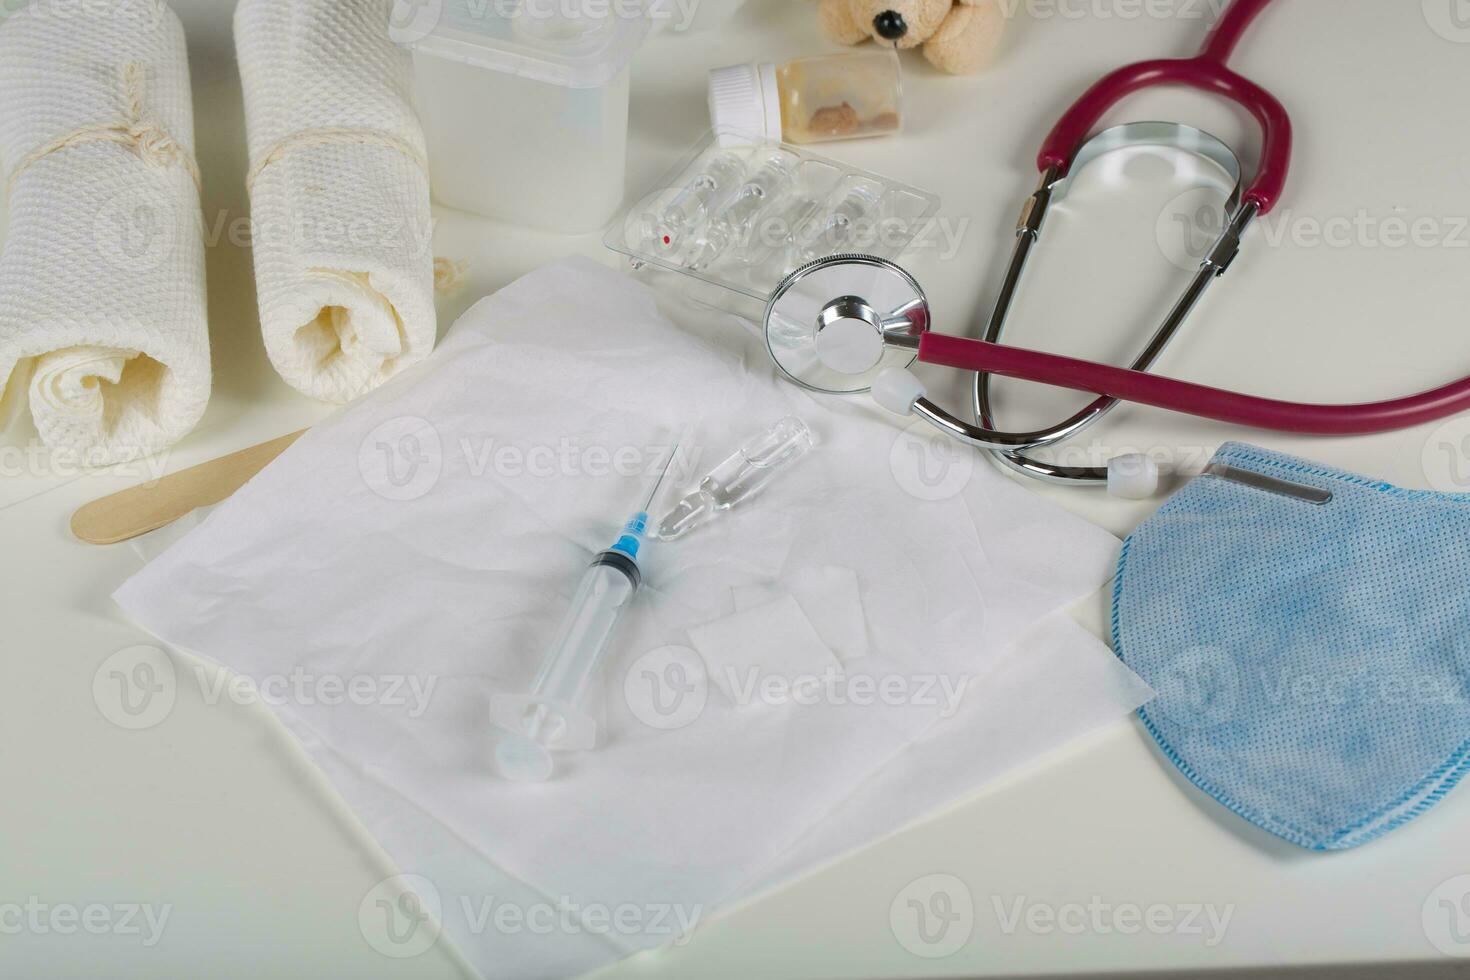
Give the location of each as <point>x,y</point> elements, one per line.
<point>1308,633</point>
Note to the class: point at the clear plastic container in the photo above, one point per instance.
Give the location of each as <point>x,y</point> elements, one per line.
<point>735,241</point>
<point>692,206</point>
<point>856,200</point>
<point>773,179</point>
<point>811,100</point>
<point>525,105</point>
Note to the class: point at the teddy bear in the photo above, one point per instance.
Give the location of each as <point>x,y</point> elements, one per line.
<point>957,36</point>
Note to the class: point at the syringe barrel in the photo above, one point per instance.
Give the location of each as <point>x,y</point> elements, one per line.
<point>603,594</point>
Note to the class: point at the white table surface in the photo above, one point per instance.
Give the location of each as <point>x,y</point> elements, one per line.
<point>216,814</point>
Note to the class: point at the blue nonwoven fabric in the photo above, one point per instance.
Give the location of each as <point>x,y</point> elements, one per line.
<point>1311,659</point>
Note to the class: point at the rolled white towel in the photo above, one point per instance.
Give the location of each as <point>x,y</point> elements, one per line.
<point>102,296</point>
<point>343,234</point>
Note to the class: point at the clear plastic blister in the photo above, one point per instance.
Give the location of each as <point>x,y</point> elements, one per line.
<point>741,217</point>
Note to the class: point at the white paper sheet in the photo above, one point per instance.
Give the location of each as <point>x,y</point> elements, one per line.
<point>737,658</point>
<point>432,534</point>
<point>832,601</point>
<point>1059,684</point>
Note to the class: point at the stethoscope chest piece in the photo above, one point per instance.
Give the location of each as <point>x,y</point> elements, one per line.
<point>837,323</point>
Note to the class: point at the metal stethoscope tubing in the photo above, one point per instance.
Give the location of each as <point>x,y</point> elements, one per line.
<point>1010,448</point>
<point>848,345</point>
<point>1061,156</point>
<point>823,333</point>
<point>1065,152</point>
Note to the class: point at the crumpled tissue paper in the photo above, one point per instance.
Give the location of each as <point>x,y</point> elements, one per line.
<point>429,537</point>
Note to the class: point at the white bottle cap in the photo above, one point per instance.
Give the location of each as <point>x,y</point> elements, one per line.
<point>745,103</point>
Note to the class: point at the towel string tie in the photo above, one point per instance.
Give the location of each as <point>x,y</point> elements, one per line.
<point>334,136</point>
<point>136,130</point>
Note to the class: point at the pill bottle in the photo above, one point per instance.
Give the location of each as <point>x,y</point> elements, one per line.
<point>809,100</point>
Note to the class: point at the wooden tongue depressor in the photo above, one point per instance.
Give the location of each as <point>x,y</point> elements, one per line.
<point>150,506</point>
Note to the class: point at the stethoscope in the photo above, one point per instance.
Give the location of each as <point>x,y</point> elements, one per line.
<point>848,323</point>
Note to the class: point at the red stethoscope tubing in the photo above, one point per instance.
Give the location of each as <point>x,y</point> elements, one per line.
<point>1202,401</point>
<point>1206,71</point>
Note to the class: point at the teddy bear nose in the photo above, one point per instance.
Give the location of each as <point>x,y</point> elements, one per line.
<point>890,25</point>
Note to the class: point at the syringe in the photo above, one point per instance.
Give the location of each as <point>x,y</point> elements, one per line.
<point>555,715</point>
